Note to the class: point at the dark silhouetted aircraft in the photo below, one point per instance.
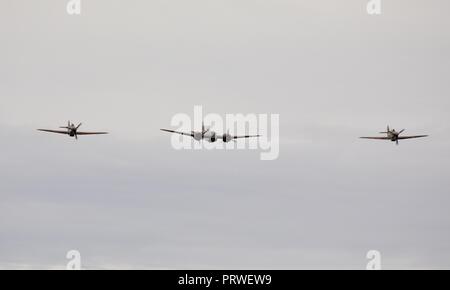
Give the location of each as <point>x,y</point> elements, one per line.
<point>72,131</point>
<point>394,136</point>
<point>210,136</point>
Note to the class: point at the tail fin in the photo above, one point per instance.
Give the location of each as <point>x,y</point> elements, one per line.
<point>204,129</point>
<point>387,131</point>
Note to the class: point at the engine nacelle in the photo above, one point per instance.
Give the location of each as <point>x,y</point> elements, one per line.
<point>227,138</point>
<point>212,138</point>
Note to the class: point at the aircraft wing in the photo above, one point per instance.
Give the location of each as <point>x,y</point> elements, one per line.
<point>412,137</point>
<point>177,132</point>
<point>54,131</point>
<point>376,138</point>
<point>246,136</point>
<point>92,133</point>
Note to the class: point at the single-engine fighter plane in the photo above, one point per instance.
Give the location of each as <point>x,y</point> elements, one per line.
<point>210,136</point>
<point>394,136</point>
<point>72,131</point>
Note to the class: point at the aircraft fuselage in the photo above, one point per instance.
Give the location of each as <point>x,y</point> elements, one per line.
<point>393,136</point>
<point>209,136</point>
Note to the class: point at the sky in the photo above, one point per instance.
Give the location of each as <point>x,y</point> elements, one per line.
<point>128,200</point>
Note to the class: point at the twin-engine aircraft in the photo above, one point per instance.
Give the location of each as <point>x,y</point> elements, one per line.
<point>72,131</point>
<point>394,136</point>
<point>210,136</point>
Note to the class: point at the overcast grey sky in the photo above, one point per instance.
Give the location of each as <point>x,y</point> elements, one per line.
<point>128,200</point>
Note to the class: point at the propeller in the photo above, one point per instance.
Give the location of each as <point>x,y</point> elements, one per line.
<point>398,133</point>
<point>71,127</point>
<point>75,131</point>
